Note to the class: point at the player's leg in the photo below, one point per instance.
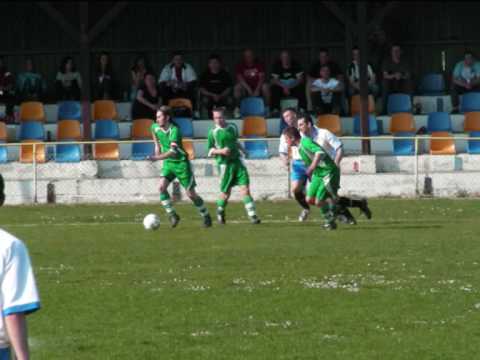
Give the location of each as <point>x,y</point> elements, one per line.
<point>243,181</point>
<point>226,180</point>
<point>298,180</point>
<point>165,198</point>
<point>200,205</point>
<point>222,205</point>
<point>362,205</point>
<point>2,190</point>
<point>317,194</point>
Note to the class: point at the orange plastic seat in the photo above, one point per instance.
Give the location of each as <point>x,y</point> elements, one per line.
<point>472,121</point>
<point>355,104</point>
<point>106,151</point>
<point>402,122</point>
<point>141,129</point>
<point>104,109</point>
<point>442,146</point>
<point>32,110</point>
<point>189,149</point>
<point>180,102</point>
<point>26,152</point>
<point>330,122</point>
<point>3,131</point>
<point>69,130</point>
<point>254,126</point>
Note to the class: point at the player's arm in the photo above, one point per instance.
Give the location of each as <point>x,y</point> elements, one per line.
<point>283,151</point>
<point>158,155</point>
<point>241,148</point>
<point>313,148</point>
<point>16,325</point>
<point>337,145</point>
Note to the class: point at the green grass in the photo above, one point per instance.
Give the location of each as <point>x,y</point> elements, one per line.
<point>404,285</point>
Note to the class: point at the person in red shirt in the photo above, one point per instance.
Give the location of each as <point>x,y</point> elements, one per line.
<point>250,79</point>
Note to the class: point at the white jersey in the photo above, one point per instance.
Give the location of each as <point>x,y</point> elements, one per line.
<point>283,149</point>
<point>18,291</point>
<point>327,140</point>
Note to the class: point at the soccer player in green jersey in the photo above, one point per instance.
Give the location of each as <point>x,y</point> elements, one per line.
<point>323,173</point>
<point>168,147</point>
<point>223,144</point>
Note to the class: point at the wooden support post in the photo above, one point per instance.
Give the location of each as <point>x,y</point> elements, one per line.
<point>85,73</point>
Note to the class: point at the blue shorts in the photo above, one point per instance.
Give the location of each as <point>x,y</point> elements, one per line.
<point>5,354</point>
<point>298,171</point>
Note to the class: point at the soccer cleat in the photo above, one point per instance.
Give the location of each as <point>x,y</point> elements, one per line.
<point>207,221</point>
<point>2,190</point>
<point>174,220</point>
<point>346,217</point>
<point>303,215</point>
<point>330,226</point>
<point>255,220</point>
<point>365,210</point>
<point>221,218</point>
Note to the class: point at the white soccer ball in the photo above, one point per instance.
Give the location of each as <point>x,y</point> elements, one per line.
<point>151,222</point>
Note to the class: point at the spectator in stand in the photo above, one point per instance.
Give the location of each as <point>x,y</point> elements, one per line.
<point>138,71</point>
<point>148,99</point>
<point>30,85</point>
<point>250,75</point>
<point>465,77</point>
<point>7,90</point>
<point>335,72</point>
<point>326,92</point>
<point>103,84</point>
<point>215,86</point>
<point>178,80</point>
<point>353,73</point>
<point>396,75</point>
<point>68,81</point>
<point>287,81</point>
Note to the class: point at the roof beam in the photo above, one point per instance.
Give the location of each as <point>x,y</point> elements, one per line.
<point>340,15</point>
<point>60,19</point>
<point>106,20</point>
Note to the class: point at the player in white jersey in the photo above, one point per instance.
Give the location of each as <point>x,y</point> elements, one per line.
<point>18,296</point>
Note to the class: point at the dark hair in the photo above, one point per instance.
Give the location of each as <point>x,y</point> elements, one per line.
<point>323,49</point>
<point>325,66</point>
<point>305,116</point>
<point>63,65</point>
<point>176,53</point>
<point>215,57</point>
<point>108,68</point>
<point>292,132</point>
<point>355,48</point>
<point>166,110</point>
<point>289,109</point>
<point>395,44</point>
<point>219,109</point>
<point>145,61</point>
<point>468,52</point>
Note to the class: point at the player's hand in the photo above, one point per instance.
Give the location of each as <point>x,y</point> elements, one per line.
<point>226,151</point>
<point>309,172</point>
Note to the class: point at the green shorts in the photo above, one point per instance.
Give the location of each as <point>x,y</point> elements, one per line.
<point>181,170</point>
<point>233,174</point>
<point>321,188</point>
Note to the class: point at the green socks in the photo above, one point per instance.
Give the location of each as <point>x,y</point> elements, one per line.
<point>200,205</point>
<point>167,203</point>
<point>249,206</point>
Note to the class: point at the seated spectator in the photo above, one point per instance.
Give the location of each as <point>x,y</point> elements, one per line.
<point>103,84</point>
<point>353,73</point>
<point>465,77</point>
<point>138,71</point>
<point>68,81</point>
<point>287,81</point>
<point>326,93</point>
<point>148,99</point>
<point>335,72</point>
<point>30,84</point>
<point>250,75</point>
<point>178,80</point>
<point>215,86</point>
<point>396,75</point>
<point>7,91</point>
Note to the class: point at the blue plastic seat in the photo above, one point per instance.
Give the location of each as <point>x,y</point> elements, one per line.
<point>257,149</point>
<point>372,125</point>
<point>141,151</point>
<point>398,103</point>
<point>106,129</point>
<point>3,154</point>
<point>65,153</point>
<point>404,146</point>
<point>473,146</point>
<point>32,130</point>
<point>185,125</point>
<point>470,102</point>
<point>432,84</point>
<point>69,110</point>
<point>252,106</point>
<point>439,121</point>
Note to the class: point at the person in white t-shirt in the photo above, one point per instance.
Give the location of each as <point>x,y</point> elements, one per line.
<point>18,296</point>
<point>326,92</point>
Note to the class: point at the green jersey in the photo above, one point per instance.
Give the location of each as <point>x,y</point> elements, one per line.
<point>167,138</point>
<point>219,138</point>
<point>308,148</point>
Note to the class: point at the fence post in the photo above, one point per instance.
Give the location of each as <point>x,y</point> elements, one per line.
<point>289,181</point>
<point>417,192</point>
<point>34,173</point>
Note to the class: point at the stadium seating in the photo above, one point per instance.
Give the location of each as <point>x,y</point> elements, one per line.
<point>32,111</point>
<point>68,130</point>
<point>106,130</point>
<point>142,151</point>
<point>330,122</point>
<point>26,152</point>
<point>189,149</point>
<point>470,102</point>
<point>442,146</point>
<point>252,106</point>
<point>257,149</point>
<point>254,126</point>
<point>32,130</point>
<point>432,85</point>
<point>288,103</point>
<point>355,104</point>
<point>404,146</point>
<point>106,151</point>
<point>185,125</point>
<point>372,125</point>
<point>65,153</point>
<point>69,110</point>
<point>473,146</point>
<point>181,107</point>
<point>140,131</point>
<point>3,139</point>
<point>439,121</point>
<point>402,122</point>
<point>104,110</point>
<point>398,103</point>
<point>472,121</point>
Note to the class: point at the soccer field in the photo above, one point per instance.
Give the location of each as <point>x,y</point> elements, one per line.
<point>404,285</point>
